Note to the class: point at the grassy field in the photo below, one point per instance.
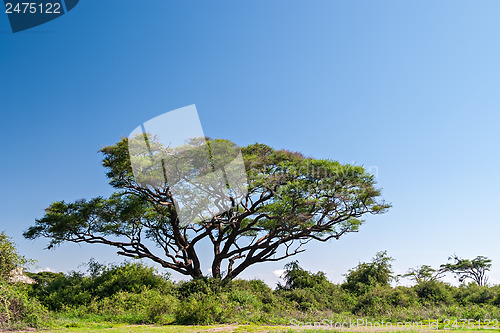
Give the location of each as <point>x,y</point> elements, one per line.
<point>98,328</point>
<point>119,328</point>
<point>132,298</point>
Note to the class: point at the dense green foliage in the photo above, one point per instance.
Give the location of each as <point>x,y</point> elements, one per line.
<point>17,309</point>
<point>133,293</point>
<point>366,276</point>
<point>57,290</point>
<point>9,258</point>
<point>298,278</point>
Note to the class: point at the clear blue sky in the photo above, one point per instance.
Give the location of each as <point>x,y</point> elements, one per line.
<point>409,87</point>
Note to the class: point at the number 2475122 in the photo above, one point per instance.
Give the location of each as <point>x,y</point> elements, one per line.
<point>33,8</point>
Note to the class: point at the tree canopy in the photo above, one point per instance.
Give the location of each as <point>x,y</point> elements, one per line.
<point>9,257</point>
<point>289,201</point>
<point>296,277</point>
<point>367,275</point>
<point>423,273</point>
<point>474,269</point>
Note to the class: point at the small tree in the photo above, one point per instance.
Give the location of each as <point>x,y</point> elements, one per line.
<point>474,269</point>
<point>9,258</point>
<point>423,273</point>
<point>365,276</point>
<point>298,278</point>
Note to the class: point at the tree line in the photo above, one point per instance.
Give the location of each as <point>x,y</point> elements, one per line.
<point>134,293</point>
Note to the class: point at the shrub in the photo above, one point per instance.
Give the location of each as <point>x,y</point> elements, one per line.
<point>366,276</point>
<point>131,277</point>
<point>203,285</point>
<point>434,292</point>
<point>146,307</point>
<point>258,288</point>
<point>75,288</point>
<point>496,300</point>
<point>298,278</point>
<point>17,310</point>
<point>9,258</point>
<point>135,294</point>
<point>472,293</point>
<point>202,309</point>
<point>381,300</point>
<point>304,299</point>
<point>475,312</point>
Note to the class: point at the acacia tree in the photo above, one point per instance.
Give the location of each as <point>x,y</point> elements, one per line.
<point>424,273</point>
<point>291,200</point>
<point>474,269</point>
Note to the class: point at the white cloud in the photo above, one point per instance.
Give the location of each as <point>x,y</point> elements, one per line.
<point>46,269</point>
<point>279,272</point>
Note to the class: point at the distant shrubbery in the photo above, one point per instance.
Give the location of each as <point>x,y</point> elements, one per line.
<point>57,290</point>
<point>17,309</point>
<point>136,294</point>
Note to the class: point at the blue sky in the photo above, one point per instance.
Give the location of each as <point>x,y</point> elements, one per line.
<point>409,88</point>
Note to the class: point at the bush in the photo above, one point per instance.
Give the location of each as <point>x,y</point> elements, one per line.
<point>206,286</point>
<point>17,310</point>
<point>135,294</point>
<point>472,293</point>
<point>434,292</point>
<point>312,291</point>
<point>76,289</point>
<point>381,300</point>
<point>298,278</point>
<point>146,307</point>
<point>304,299</point>
<point>496,300</point>
<point>257,288</point>
<point>366,276</point>
<point>329,296</point>
<point>202,309</point>
<point>9,258</point>
<point>475,312</point>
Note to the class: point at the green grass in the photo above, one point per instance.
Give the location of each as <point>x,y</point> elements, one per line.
<point>77,325</point>
<point>104,327</point>
<point>119,328</point>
